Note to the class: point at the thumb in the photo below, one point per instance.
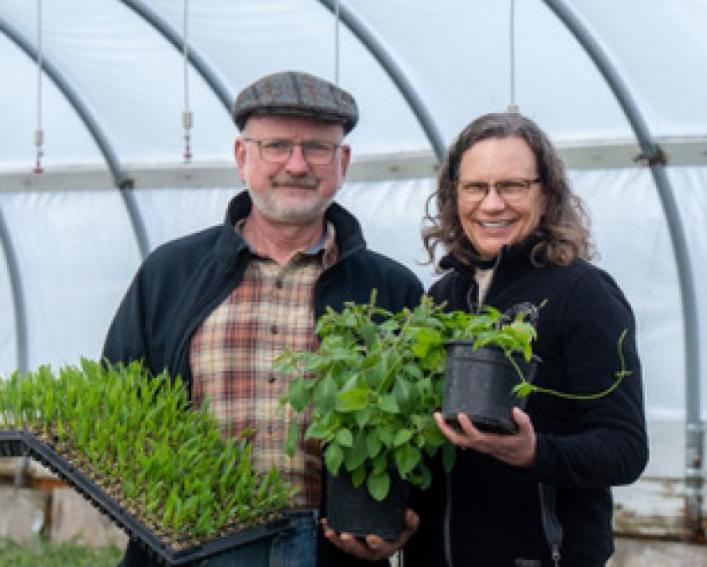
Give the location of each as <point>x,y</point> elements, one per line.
<point>521,419</point>
<point>412,520</point>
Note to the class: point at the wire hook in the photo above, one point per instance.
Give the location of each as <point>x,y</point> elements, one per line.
<point>512,106</point>
<point>39,132</point>
<point>187,116</point>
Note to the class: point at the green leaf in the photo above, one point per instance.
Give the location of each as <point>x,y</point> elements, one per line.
<point>293,430</point>
<point>371,360</point>
<point>389,326</point>
<point>297,394</point>
<point>369,333</point>
<point>352,400</point>
<point>387,403</point>
<point>376,373</point>
<point>378,485</point>
<point>348,319</point>
<point>373,443</point>
<point>433,436</point>
<point>425,340</point>
<point>405,394</point>
<point>523,389</point>
<point>386,434</point>
<point>413,370</point>
<point>449,456</point>
<point>425,477</point>
<point>333,457</point>
<point>435,360</point>
<point>344,437</point>
<point>406,459</point>
<point>356,455</point>
<point>402,436</point>
<point>317,430</point>
<point>325,394</point>
<point>380,464</point>
<point>358,476</point>
<point>362,417</point>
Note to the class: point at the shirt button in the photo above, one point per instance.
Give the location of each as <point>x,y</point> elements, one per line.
<point>278,284</point>
<point>270,429</point>
<point>273,329</point>
<point>272,378</point>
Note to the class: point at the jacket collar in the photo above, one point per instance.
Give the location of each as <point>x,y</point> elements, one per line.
<point>509,254</point>
<point>349,236</point>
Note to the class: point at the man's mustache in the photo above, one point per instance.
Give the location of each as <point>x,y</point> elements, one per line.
<point>300,182</point>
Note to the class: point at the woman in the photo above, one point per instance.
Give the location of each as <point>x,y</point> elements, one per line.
<point>515,233</point>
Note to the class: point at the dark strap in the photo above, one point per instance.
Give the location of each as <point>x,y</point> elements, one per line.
<point>551,525</point>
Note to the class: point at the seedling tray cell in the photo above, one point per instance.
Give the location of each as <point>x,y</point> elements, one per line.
<point>18,443</point>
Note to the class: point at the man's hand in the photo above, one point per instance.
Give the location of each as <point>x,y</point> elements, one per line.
<point>517,449</point>
<point>373,548</point>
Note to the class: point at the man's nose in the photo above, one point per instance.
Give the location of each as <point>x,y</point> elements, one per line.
<point>297,164</point>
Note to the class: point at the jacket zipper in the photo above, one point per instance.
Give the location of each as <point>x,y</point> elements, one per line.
<point>448,505</point>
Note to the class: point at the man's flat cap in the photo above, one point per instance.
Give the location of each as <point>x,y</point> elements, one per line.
<point>291,93</point>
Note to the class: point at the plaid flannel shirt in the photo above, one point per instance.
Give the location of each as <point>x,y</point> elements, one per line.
<point>232,354</point>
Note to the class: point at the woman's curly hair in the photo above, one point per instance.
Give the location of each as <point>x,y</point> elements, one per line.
<point>563,230</point>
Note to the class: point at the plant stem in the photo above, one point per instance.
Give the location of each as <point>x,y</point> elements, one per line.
<point>620,374</point>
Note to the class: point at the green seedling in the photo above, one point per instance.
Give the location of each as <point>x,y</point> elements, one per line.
<point>136,436</point>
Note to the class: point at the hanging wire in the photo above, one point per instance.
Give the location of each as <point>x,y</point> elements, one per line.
<point>512,106</point>
<point>336,44</point>
<point>39,132</point>
<point>187,117</point>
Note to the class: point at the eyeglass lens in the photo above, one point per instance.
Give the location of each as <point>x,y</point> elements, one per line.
<point>314,151</point>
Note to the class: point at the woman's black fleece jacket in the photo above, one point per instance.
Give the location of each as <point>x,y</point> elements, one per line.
<point>583,447</point>
<point>181,282</point>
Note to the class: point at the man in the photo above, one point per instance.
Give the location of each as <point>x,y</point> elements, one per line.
<point>218,306</point>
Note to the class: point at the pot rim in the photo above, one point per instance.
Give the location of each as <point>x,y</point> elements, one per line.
<point>469,342</point>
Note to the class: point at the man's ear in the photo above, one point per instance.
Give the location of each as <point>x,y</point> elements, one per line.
<point>345,159</point>
<point>239,151</point>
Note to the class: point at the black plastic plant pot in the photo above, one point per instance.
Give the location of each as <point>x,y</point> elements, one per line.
<point>252,544</point>
<point>353,510</point>
<point>479,383</point>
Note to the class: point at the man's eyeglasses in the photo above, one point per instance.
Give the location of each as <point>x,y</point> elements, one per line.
<point>277,150</point>
<point>510,190</point>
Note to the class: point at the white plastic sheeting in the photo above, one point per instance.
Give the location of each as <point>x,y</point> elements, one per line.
<point>171,213</point>
<point>75,251</point>
<point>455,54</point>
<point>66,135</point>
<point>8,334</point>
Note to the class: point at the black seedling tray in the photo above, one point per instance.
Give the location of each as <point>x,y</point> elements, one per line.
<point>17,443</point>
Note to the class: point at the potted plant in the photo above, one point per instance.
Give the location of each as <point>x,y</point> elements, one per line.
<point>490,355</point>
<point>370,391</point>
<point>491,366</point>
<point>133,446</point>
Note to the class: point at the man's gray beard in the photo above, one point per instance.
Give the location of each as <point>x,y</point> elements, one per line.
<point>272,210</point>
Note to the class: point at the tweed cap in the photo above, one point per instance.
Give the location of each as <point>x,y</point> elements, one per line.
<point>291,93</point>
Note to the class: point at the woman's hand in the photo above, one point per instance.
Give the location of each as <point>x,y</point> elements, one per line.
<point>373,547</point>
<point>517,449</point>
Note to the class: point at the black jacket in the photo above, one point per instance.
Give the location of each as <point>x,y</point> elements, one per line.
<point>583,447</point>
<point>181,282</point>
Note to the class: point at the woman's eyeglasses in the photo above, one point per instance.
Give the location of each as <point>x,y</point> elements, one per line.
<point>510,190</point>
